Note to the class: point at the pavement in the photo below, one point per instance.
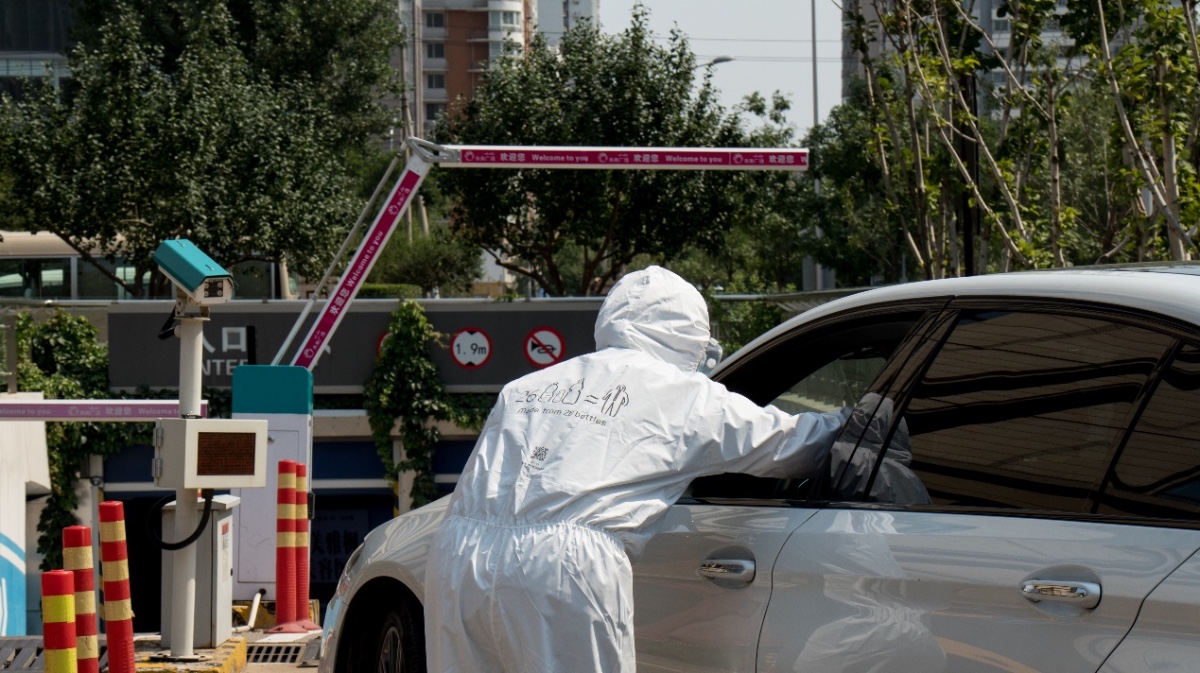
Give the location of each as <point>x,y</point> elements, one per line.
<point>245,652</point>
<point>248,650</point>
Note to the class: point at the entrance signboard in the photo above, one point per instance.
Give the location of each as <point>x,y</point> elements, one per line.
<point>248,332</point>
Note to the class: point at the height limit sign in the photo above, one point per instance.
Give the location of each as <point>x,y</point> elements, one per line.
<point>544,346</point>
<point>471,348</point>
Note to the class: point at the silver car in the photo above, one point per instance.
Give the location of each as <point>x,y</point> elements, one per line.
<point>1017,490</point>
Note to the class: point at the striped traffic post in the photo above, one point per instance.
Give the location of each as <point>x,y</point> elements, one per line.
<point>118,610</point>
<point>285,547</point>
<point>58,621</point>
<point>77,558</point>
<point>302,549</point>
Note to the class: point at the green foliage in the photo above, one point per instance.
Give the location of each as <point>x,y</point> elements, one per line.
<point>61,359</point>
<point>406,387</point>
<point>855,228</point>
<point>595,90</point>
<point>339,48</point>
<point>388,291</point>
<point>438,260</point>
<point>225,123</point>
<point>1059,182</point>
<point>736,323</point>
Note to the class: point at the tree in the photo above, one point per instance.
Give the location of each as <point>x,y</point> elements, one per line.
<point>438,260</point>
<point>61,358</point>
<point>865,231</point>
<point>203,145</point>
<point>1052,191</point>
<point>597,90</point>
<point>764,247</point>
<point>337,48</point>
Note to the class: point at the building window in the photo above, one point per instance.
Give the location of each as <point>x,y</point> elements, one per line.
<point>497,49</point>
<point>434,110</point>
<point>504,19</point>
<point>437,81</point>
<point>435,20</point>
<point>435,50</point>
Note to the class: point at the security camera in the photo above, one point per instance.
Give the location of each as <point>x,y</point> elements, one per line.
<point>194,273</point>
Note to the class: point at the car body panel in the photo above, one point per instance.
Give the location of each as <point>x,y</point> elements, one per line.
<point>920,591</point>
<point>395,550</point>
<point>1166,637</point>
<point>686,622</point>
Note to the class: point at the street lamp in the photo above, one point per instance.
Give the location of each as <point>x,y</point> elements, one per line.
<point>715,61</point>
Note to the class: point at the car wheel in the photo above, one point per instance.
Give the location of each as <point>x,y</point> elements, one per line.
<point>384,633</point>
<point>398,646</point>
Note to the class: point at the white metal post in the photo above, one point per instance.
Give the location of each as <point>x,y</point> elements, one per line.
<point>183,574</point>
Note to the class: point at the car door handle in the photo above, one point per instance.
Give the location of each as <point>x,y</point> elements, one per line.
<point>736,570</point>
<point>1083,594</point>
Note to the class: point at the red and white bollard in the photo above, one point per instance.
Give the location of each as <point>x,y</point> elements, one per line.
<point>118,610</point>
<point>58,621</point>
<point>77,558</point>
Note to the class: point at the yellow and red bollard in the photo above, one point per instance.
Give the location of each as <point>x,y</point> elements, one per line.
<point>58,621</point>
<point>118,611</point>
<point>301,549</point>
<point>285,551</point>
<point>77,558</point>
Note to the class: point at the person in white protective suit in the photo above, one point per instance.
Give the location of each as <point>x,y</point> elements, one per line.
<point>574,468</point>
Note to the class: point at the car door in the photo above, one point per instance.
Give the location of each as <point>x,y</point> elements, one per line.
<point>1157,476</point>
<point>702,586</point>
<point>962,533</point>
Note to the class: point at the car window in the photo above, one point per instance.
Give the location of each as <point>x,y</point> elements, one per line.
<point>855,458</point>
<point>836,384</point>
<point>820,368</point>
<point>1158,471</point>
<point>1023,409</point>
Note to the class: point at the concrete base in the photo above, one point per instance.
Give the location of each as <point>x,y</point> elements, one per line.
<point>264,620</point>
<point>229,657</point>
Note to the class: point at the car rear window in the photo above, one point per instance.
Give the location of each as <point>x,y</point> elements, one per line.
<point>1024,409</point>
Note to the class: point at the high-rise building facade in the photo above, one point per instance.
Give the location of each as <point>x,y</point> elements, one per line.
<point>556,17</point>
<point>33,41</point>
<point>450,42</point>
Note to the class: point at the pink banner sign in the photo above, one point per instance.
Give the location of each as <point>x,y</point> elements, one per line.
<point>629,158</point>
<point>360,265</point>
<point>112,411</point>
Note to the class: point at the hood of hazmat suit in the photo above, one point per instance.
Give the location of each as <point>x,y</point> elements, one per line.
<point>574,468</point>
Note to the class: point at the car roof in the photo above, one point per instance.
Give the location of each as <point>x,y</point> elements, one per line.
<point>1171,289</point>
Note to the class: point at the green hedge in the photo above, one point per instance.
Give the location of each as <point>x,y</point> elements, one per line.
<point>388,291</point>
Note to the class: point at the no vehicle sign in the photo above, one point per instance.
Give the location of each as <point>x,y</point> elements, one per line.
<point>471,348</point>
<point>544,346</point>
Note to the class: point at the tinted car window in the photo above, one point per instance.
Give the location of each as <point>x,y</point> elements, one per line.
<point>1158,471</point>
<point>1023,409</point>
<point>816,368</point>
<point>835,384</point>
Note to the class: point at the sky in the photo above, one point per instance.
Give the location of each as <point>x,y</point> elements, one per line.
<point>769,40</point>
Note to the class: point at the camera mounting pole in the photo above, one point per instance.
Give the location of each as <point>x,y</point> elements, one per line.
<point>187,448</point>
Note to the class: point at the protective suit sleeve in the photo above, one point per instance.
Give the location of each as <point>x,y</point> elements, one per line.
<point>730,433</point>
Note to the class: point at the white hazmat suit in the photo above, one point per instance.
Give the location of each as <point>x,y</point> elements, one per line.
<point>575,466</point>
